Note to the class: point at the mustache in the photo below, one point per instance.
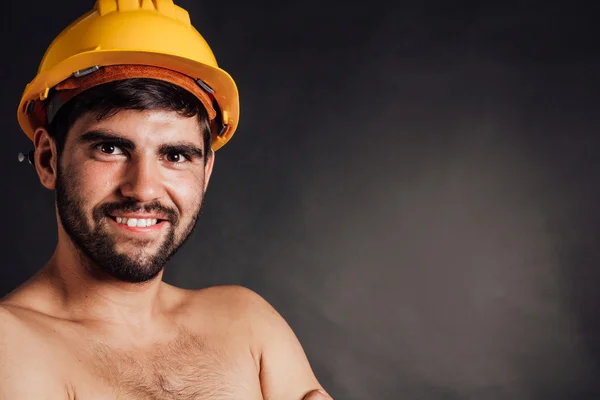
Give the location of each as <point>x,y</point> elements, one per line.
<point>132,205</point>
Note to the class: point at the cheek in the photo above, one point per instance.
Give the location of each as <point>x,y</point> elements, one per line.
<point>185,190</point>
<point>98,180</point>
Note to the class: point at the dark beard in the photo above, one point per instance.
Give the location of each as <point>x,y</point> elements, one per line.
<point>97,246</point>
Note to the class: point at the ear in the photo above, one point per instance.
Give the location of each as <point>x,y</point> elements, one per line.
<point>45,158</point>
<point>208,167</point>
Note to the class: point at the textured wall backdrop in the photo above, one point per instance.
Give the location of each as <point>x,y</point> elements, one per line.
<point>414,186</point>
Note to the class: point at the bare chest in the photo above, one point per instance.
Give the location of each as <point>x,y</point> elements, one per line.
<point>187,369</point>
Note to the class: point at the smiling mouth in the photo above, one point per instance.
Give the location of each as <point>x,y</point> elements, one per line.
<point>137,222</point>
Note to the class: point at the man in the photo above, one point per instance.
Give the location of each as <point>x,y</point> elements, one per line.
<point>125,114</point>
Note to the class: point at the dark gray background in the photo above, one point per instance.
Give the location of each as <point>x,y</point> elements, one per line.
<point>413,185</point>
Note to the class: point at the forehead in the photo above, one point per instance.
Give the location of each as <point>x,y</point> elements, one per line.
<point>144,128</point>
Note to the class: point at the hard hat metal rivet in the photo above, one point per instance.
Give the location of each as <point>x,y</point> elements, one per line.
<point>26,156</point>
<point>205,86</point>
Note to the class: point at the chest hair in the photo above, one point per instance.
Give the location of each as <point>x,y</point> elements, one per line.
<point>187,368</point>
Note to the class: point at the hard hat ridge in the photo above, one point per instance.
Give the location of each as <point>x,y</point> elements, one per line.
<point>154,34</point>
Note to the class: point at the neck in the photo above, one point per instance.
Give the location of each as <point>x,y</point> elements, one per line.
<point>82,293</point>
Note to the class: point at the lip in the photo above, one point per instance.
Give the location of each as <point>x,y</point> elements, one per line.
<point>138,229</point>
<point>140,216</point>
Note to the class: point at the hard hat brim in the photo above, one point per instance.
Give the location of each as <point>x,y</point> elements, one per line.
<point>225,89</point>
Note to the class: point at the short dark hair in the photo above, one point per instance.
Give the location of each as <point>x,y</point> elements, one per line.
<point>141,94</point>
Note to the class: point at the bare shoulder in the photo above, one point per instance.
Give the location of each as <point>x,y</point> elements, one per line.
<point>21,332</point>
<point>237,307</point>
<point>279,353</point>
<point>10,321</point>
<point>23,358</point>
<point>238,302</point>
<point>230,301</point>
<point>11,328</point>
<point>233,296</point>
<point>16,318</point>
<point>262,322</point>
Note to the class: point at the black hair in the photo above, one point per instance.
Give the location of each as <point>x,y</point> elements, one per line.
<point>141,94</point>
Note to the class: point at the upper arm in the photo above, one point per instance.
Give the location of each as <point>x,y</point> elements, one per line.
<point>285,372</point>
<point>24,371</point>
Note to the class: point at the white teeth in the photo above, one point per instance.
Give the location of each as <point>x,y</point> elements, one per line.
<point>133,222</point>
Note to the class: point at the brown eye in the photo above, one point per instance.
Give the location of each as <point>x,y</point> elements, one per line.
<point>176,158</point>
<point>109,148</point>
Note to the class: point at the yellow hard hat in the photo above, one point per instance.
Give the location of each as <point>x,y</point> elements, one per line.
<point>154,33</point>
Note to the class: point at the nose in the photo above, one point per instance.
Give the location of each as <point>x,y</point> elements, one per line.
<point>143,180</point>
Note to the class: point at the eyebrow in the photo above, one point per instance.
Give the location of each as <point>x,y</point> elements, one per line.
<point>105,136</point>
<point>186,147</point>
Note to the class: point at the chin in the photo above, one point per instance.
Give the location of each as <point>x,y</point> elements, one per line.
<point>139,275</point>
<point>138,268</point>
